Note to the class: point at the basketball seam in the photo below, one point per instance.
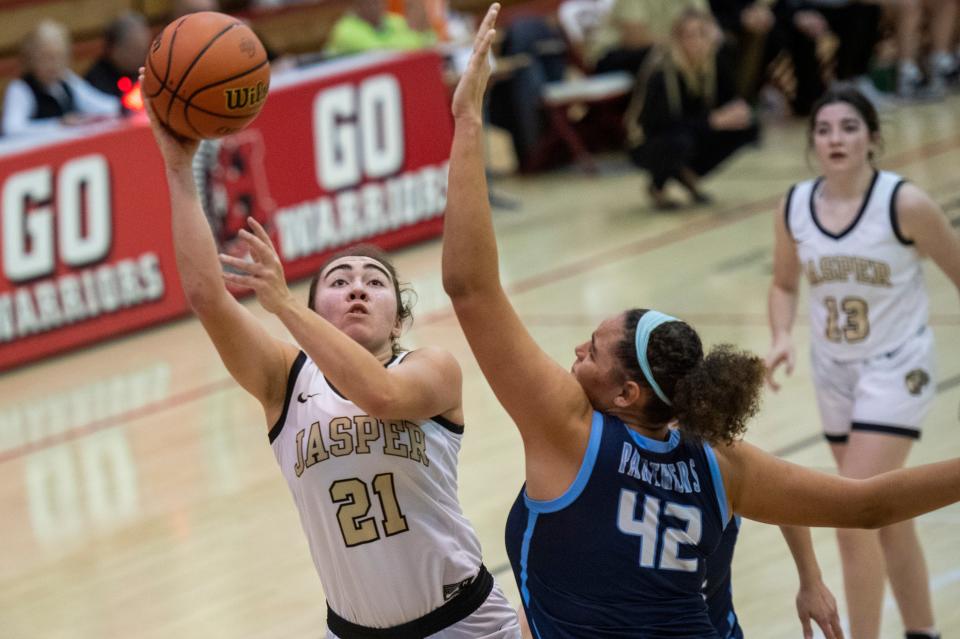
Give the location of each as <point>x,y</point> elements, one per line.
<point>173,41</point>
<point>193,63</point>
<point>153,69</point>
<point>156,75</point>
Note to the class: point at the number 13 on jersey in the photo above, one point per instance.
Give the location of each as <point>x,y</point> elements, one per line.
<point>647,527</point>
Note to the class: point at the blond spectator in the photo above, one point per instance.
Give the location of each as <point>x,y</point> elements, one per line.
<point>632,27</point>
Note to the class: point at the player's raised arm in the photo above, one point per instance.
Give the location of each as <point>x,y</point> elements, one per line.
<point>550,409</point>
<point>768,489</point>
<point>258,361</point>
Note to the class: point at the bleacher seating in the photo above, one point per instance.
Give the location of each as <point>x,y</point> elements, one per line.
<point>296,29</point>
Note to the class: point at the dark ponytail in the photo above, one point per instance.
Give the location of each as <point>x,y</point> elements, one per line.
<point>712,397</point>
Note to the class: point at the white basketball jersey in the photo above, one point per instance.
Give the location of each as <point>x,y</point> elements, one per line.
<point>867,295</point>
<point>377,500</point>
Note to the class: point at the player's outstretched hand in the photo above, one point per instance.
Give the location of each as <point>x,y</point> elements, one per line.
<point>468,98</point>
<point>264,275</point>
<point>815,601</point>
<point>782,352</point>
<point>177,151</point>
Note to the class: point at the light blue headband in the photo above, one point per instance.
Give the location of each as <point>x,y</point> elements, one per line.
<point>648,322</point>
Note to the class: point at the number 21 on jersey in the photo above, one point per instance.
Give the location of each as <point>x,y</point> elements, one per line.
<point>353,496</point>
<point>648,529</point>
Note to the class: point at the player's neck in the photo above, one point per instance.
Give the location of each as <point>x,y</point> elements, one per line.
<point>384,353</point>
<point>659,432</point>
<point>844,185</point>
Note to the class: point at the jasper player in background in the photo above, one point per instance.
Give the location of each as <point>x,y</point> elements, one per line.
<point>859,235</point>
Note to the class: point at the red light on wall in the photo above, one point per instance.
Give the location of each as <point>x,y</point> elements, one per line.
<point>132,99</point>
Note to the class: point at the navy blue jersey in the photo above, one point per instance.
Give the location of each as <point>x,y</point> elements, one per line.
<point>717,589</point>
<point>621,552</point>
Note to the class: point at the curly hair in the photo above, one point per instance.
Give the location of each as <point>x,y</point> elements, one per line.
<point>406,296</point>
<point>712,398</point>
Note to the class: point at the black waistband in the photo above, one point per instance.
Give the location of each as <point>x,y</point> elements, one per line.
<point>461,606</point>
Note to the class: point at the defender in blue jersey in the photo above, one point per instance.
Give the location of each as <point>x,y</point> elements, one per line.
<point>814,601</point>
<point>619,509</point>
<point>642,486</point>
<point>718,586</point>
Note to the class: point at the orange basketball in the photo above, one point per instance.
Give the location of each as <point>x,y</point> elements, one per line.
<point>207,75</point>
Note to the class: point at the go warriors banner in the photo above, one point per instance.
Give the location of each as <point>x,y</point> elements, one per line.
<point>350,151</point>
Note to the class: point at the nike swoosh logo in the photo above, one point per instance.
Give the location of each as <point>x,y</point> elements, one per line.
<point>303,398</point>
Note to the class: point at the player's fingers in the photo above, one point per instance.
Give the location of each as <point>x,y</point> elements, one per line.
<point>824,623</point>
<point>245,266</point>
<point>772,362</point>
<point>260,251</point>
<point>791,361</point>
<point>807,627</point>
<point>244,281</point>
<point>835,625</point>
<point>489,20</point>
<point>480,52</point>
<point>485,44</point>
<point>260,232</point>
<point>771,382</point>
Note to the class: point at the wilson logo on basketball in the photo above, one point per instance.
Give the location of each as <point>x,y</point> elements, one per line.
<point>246,97</point>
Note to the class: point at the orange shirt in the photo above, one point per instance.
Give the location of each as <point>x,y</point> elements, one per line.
<point>436,14</point>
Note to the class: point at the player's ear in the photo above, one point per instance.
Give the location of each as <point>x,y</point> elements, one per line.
<point>629,395</point>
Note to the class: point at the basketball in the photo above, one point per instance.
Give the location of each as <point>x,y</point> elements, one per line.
<point>206,75</point>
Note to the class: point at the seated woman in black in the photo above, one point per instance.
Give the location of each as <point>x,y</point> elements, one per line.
<point>685,118</point>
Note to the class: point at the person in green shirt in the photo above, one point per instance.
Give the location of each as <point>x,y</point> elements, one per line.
<point>369,27</point>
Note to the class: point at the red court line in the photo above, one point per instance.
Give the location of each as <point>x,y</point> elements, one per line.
<point>550,276</point>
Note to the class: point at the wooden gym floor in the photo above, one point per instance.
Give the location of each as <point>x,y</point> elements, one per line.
<point>139,496</point>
